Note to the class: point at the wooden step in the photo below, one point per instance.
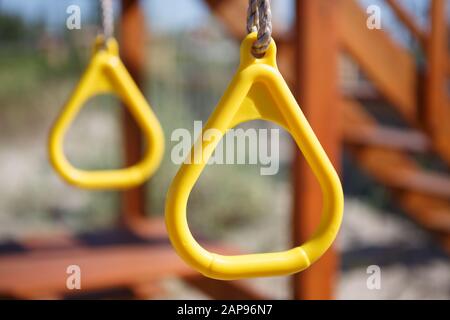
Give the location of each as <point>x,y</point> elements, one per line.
<point>33,274</point>
<point>396,171</point>
<point>43,273</point>
<point>424,196</point>
<point>114,259</point>
<point>386,137</point>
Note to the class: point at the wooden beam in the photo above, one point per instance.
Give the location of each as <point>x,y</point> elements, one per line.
<point>445,240</point>
<point>132,51</point>
<point>401,173</point>
<point>45,271</point>
<point>409,22</point>
<point>67,246</point>
<point>41,273</point>
<point>430,212</point>
<point>437,105</point>
<point>148,290</point>
<point>389,165</point>
<point>391,68</point>
<point>152,228</point>
<point>317,92</point>
<point>416,31</point>
<point>386,137</point>
<point>225,290</point>
<point>426,208</point>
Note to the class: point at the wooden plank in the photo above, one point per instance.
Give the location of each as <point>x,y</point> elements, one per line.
<point>429,210</point>
<point>391,68</point>
<point>413,27</point>
<point>445,240</point>
<point>152,228</point>
<point>408,21</point>
<point>386,137</point>
<point>100,268</point>
<point>149,290</point>
<point>401,173</point>
<point>393,169</point>
<point>317,93</point>
<point>132,51</point>
<point>44,272</point>
<point>225,290</point>
<point>437,106</point>
<point>65,244</point>
<point>55,241</point>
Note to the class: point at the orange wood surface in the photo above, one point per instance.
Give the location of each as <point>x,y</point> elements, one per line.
<point>316,89</point>
<point>408,21</point>
<point>383,136</point>
<point>425,202</point>
<point>391,68</point>
<point>132,50</point>
<point>437,101</point>
<point>40,273</point>
<point>225,290</point>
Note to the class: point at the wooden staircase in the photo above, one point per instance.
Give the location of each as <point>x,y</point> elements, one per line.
<point>420,99</point>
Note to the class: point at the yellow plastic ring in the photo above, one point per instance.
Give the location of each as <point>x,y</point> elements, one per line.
<point>107,74</point>
<point>258,91</point>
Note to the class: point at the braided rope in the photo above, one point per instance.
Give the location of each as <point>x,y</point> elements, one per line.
<point>252,16</point>
<point>107,18</point>
<point>259,19</point>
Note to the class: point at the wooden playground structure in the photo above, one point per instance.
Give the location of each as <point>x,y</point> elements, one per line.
<point>137,254</point>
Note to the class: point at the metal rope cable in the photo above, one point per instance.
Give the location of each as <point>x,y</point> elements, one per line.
<point>259,19</point>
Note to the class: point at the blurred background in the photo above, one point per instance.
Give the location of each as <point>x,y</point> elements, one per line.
<point>391,148</point>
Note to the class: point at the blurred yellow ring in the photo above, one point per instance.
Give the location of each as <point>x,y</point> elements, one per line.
<point>107,74</point>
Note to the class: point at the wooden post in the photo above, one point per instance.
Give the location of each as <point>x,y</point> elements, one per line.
<point>132,29</point>
<point>317,94</point>
<point>437,106</point>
